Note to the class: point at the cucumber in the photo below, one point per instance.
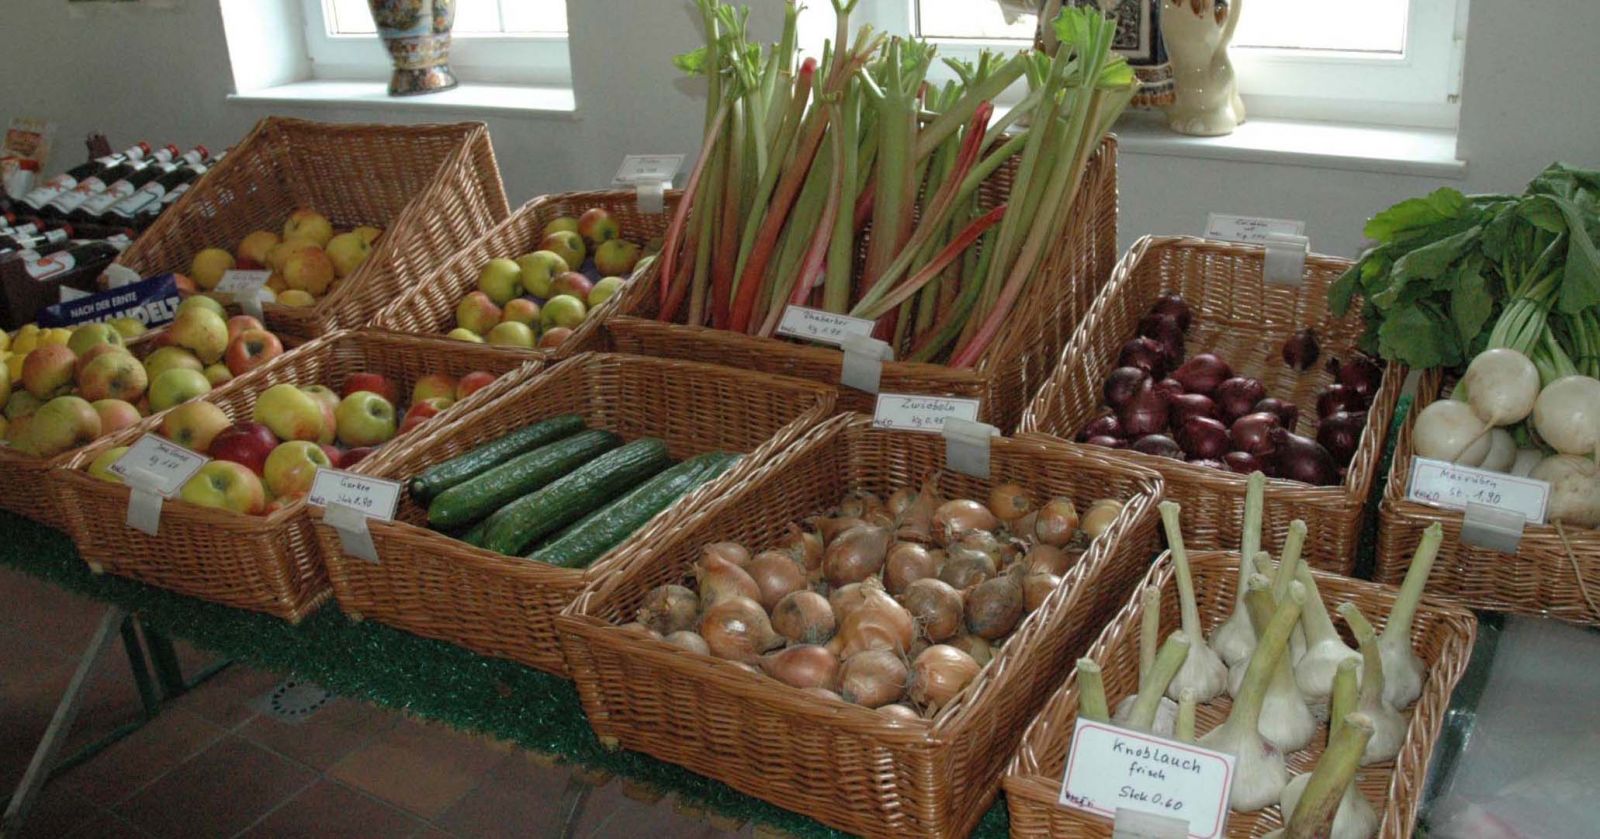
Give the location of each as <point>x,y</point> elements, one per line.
<point>604,529</point>
<point>467,502</point>
<point>442,476</point>
<point>474,535</point>
<point>569,498</point>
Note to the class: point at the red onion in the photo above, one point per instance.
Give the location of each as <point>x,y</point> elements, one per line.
<point>1340,434</point>
<point>1301,349</point>
<point>1105,425</point>
<point>1204,438</point>
<point>1159,445</point>
<point>1287,413</point>
<point>1107,442</point>
<point>1145,414</point>
<point>1242,462</point>
<point>1236,396</point>
<point>1303,459</point>
<point>1209,463</point>
<point>1339,398</point>
<point>1164,330</point>
<point>1169,388</point>
<point>1252,433</point>
<point>1202,374</point>
<point>1186,405</point>
<point>1172,303</point>
<point>1146,354</point>
<point>1122,384</point>
<point>1361,374</point>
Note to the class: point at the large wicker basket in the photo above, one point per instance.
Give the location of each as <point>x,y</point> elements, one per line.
<point>1076,266</point>
<point>504,606</point>
<point>1442,635</point>
<point>846,765</point>
<point>268,563</point>
<point>430,307</point>
<point>432,188</point>
<point>1549,576</point>
<point>1243,319</point>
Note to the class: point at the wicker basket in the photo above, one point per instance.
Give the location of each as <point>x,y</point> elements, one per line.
<point>846,765</point>
<point>430,307</point>
<point>439,587</point>
<point>266,563</point>
<point>1021,358</point>
<point>1245,321</point>
<point>1441,634</point>
<point>432,188</point>
<point>1542,579</point>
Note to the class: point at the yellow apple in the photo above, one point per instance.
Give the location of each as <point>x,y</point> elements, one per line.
<point>539,270</point>
<point>101,467</point>
<point>296,297</point>
<point>202,301</point>
<point>115,414</point>
<point>17,434</point>
<point>201,332</point>
<point>292,467</point>
<point>256,246</point>
<point>209,266</point>
<point>59,335</point>
<point>194,424</point>
<point>225,485</point>
<point>279,252</point>
<point>48,370</point>
<point>368,233</point>
<point>512,334</point>
<point>501,279</point>
<point>604,289</point>
<point>5,340</point>
<point>218,374</point>
<point>174,387</point>
<point>563,310</point>
<point>307,223</point>
<point>129,327</point>
<point>290,412</point>
<point>347,251</point>
<point>89,335</point>
<point>276,283</point>
<point>309,270</point>
<point>478,312</point>
<point>566,244</point>
<point>560,224</point>
<point>462,333</point>
<point>114,375</point>
<point>170,358</point>
<point>63,423</point>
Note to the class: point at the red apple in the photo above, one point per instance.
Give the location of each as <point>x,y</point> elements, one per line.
<point>335,457</point>
<point>573,283</point>
<point>251,349</point>
<point>355,456</point>
<point>239,323</point>
<point>420,412</point>
<point>372,383</point>
<point>245,443</point>
<point>554,337</point>
<point>472,382</point>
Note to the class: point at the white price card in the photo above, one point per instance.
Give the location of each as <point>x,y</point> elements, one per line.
<point>822,327</point>
<point>241,283</point>
<point>158,466</point>
<point>1249,230</point>
<point>647,168</point>
<point>1454,487</point>
<point>374,498</point>
<point>907,412</point>
<point>1111,769</point>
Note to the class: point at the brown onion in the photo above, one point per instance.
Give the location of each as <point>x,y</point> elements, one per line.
<point>858,503</point>
<point>1009,502</point>
<point>1100,516</point>
<point>900,713</point>
<point>956,518</point>
<point>939,674</point>
<point>823,693</point>
<point>670,608</point>
<point>984,542</point>
<point>994,607</point>
<point>879,622</point>
<point>844,599</point>
<point>803,666</point>
<point>916,523</point>
<point>1036,587</point>
<point>804,617</point>
<point>900,500</point>
<point>690,641</point>
<point>831,526</point>
<point>1056,523</point>
<point>1049,559</point>
<point>731,551</point>
<point>972,645</point>
<point>805,546</point>
<point>855,555</point>
<point>776,575</point>
<point>906,563</point>
<point>964,567</point>
<point>719,579</point>
<point>737,629</point>
<point>873,678</point>
<point>935,607</point>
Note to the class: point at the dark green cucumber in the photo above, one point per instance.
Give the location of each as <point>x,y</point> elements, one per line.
<point>442,476</point>
<point>604,529</point>
<point>521,523</point>
<point>467,502</point>
<point>474,534</point>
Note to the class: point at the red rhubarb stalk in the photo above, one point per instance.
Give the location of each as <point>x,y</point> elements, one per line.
<point>674,237</point>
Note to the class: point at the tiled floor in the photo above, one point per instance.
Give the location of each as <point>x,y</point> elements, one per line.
<point>212,766</point>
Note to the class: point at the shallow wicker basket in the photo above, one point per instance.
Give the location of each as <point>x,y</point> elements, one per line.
<point>1542,579</point>
<point>267,563</point>
<point>432,188</point>
<point>1076,266</point>
<point>430,307</point>
<point>846,765</point>
<point>436,586</point>
<point>1243,319</point>
<point>1441,634</point>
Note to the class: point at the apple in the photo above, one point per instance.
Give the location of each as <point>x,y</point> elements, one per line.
<point>115,414</point>
<point>276,284</point>
<point>246,443</point>
<point>323,394</point>
<point>251,349</point>
<point>101,467</point>
<point>296,297</point>
<point>185,285</point>
<point>616,257</point>
<point>279,252</point>
<point>239,323</point>
<point>256,246</point>
<point>94,352</point>
<point>347,251</point>
<point>63,423</point>
<point>603,290</point>
<point>21,404</point>
<point>309,270</point>
<point>596,226</point>
<point>170,358</point>
<point>539,269</point>
<point>572,283</point>
<point>226,485</point>
<point>290,412</point>
<point>512,334</point>
<point>306,223</point>
<point>477,312</point>
<point>365,419</point>
<point>654,244</point>
<point>218,374</point>
<point>464,334</point>
<point>194,425</point>
<point>500,279</point>
<point>566,244</point>
<point>563,310</point>
<point>368,233</point>
<point>129,327</point>
<point>521,310</point>
<point>554,337</point>
<point>116,375</point>
<point>560,224</point>
<point>202,301</point>
<point>372,383</point>
<point>90,335</point>
<point>201,332</point>
<point>335,457</point>
<point>433,386</point>
<point>472,383</point>
<point>209,266</point>
<point>292,467</point>
<point>330,403</point>
<point>420,412</point>
<point>17,434</point>
<point>355,455</point>
<point>48,370</point>
<point>174,387</point>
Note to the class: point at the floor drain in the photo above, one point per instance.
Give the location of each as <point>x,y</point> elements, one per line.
<point>293,701</point>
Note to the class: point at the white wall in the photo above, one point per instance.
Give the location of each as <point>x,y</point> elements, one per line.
<point>163,74</point>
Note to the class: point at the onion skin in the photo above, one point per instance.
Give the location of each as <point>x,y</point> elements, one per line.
<point>1145,354</point>
<point>1172,303</point>
<point>1159,445</point>
<point>1100,517</point>
<point>858,503</point>
<point>641,630</point>
<point>1207,462</point>
<point>972,645</point>
<point>1122,384</point>
<point>805,546</point>
<point>777,575</point>
<point>936,609</point>
<point>738,629</point>
<point>1170,389</point>
<point>873,678</point>
<point>731,551</point>
<point>1009,502</point>
<point>690,641</point>
<point>719,579</point>
<point>880,622</point>
<point>1185,405</point>
<point>908,562</point>
<point>832,527</point>
<point>1204,438</point>
<point>1056,523</point>
<point>1146,413</point>
<point>954,519</point>
<point>1288,415</point>
<point>939,674</point>
<point>845,599</point>
<point>1237,396</point>
<point>823,693</point>
<point>1105,425</point>
<point>855,555</point>
<point>899,500</point>
<point>1049,559</point>
<point>669,609</point>
<point>1036,587</point>
<point>1340,434</point>
<point>1252,433</point>
<point>804,617</point>
<point>994,608</point>
<point>1301,349</point>
<point>803,666</point>
<point>916,524</point>
<point>1202,374</point>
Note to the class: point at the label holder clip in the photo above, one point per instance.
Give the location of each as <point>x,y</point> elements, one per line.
<point>351,525</point>
<point>1492,528</point>
<point>864,356</point>
<point>1133,824</point>
<point>144,500</point>
<point>1285,262</point>
<point>966,446</point>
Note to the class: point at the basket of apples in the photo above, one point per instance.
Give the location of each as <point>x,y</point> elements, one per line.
<point>544,279</point>
<point>67,387</point>
<point>237,532</point>
<point>307,260</point>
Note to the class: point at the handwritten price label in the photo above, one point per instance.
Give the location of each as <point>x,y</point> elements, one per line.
<point>1249,230</point>
<point>240,283</point>
<point>647,168</point>
<point>1111,769</point>
<point>375,498</point>
<point>163,465</point>
<point>822,327</point>
<point>1454,487</point>
<point>903,412</point>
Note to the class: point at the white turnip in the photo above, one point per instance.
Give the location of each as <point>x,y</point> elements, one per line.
<point>1502,451</point>
<point>1501,386</point>
<point>1567,415</point>
<point>1450,431</point>
<point>1574,489</point>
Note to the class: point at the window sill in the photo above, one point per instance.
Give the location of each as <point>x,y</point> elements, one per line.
<point>1393,150</point>
<point>367,95</point>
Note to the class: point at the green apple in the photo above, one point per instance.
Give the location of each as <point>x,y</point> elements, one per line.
<point>560,224</point>
<point>91,334</point>
<point>563,310</point>
<point>292,467</point>
<point>602,291</point>
<point>365,419</point>
<point>617,257</point>
<point>290,412</point>
<point>566,244</point>
<point>539,270</point>
<point>170,358</point>
<point>226,485</point>
<point>174,387</point>
<point>202,301</point>
<point>217,374</point>
<point>101,467</point>
<point>347,251</point>
<point>500,279</point>
<point>478,312</point>
<point>512,334</point>
<point>65,422</point>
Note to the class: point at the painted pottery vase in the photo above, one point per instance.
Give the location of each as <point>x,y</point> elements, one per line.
<point>417,35</point>
<point>1197,34</point>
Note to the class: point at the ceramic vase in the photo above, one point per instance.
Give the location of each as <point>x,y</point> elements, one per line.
<point>417,35</point>
<point>1196,34</point>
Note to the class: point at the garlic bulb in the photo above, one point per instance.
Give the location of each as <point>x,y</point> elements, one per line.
<point>1315,807</point>
<point>1402,670</point>
<point>1236,638</point>
<point>1388,725</point>
<point>1286,722</point>
<point>1141,714</point>
<point>1203,671</point>
<point>1149,638</point>
<point>1355,817</point>
<point>1325,650</point>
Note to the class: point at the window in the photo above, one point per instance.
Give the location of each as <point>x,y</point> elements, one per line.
<point>508,41</point>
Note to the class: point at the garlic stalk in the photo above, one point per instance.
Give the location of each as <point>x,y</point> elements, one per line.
<point>1402,670</point>
<point>1149,638</point>
<point>1286,722</point>
<point>1314,813</point>
<point>1203,671</point>
<point>1236,638</point>
<point>1288,564</point>
<point>1325,650</point>
<point>1142,714</point>
<point>1263,566</point>
<point>1259,773</point>
<point>1355,817</point>
<point>1389,727</point>
<point>1183,731</point>
<point>1091,692</point>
